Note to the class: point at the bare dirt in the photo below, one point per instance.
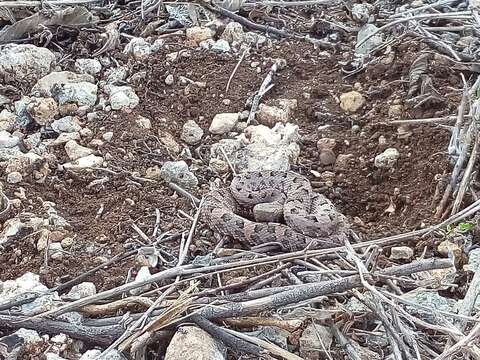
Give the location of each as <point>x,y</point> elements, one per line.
<point>366,195</point>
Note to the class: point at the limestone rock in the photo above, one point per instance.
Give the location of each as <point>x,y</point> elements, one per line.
<point>85,162</point>
<point>233,32</point>
<point>82,290</point>
<point>191,133</point>
<point>122,97</point>
<point>351,101</point>
<point>223,123</point>
<point>7,120</point>
<point>198,33</point>
<point>143,122</point>
<point>387,159</point>
<point>25,61</point>
<point>401,253</point>
<point>88,66</point>
<point>67,124</point>
<point>76,151</point>
<point>80,93</point>
<point>44,86</point>
<point>178,173</point>
<point>192,343</point>
<point>280,112</point>
<point>43,110</point>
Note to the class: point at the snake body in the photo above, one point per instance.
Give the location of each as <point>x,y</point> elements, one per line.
<point>309,218</point>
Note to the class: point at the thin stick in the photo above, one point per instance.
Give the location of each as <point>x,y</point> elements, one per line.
<point>425,120</point>
<point>292,3</point>
<point>465,179</point>
<point>183,253</point>
<point>236,68</point>
<point>264,87</point>
<point>191,269</point>
<point>272,348</point>
<point>184,192</point>
<point>14,4</point>
<point>456,15</point>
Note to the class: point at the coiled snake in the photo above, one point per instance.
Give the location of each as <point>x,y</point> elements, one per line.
<point>308,218</point>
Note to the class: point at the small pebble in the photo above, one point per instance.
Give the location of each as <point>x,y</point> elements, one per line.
<point>108,136</point>
<point>169,80</point>
<point>14,177</point>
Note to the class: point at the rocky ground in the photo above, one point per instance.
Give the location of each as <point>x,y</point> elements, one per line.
<point>108,135</point>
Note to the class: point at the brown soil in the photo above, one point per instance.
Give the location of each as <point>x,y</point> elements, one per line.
<point>315,79</point>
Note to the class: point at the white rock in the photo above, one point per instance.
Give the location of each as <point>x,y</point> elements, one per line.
<point>14,177</point>
<point>117,74</point>
<point>88,66</point>
<point>198,34</point>
<point>7,140</point>
<point>89,161</point>
<point>143,274</point>
<point>281,113</point>
<point>55,251</point>
<point>351,101</point>
<point>233,32</point>
<point>157,45</point>
<point>44,86</point>
<point>82,290</point>
<point>122,97</point>
<point>7,120</point>
<point>221,46</point>
<point>23,164</point>
<point>80,93</point>
<point>178,173</point>
<point>139,48</point>
<point>387,159</point>
<point>192,343</point>
<point>43,110</point>
<point>401,253</point>
<point>66,137</point>
<point>53,356</point>
<point>261,148</point>
<point>76,151</point>
<point>473,260</point>
<point>169,80</point>
<point>255,39</point>
<point>371,42</point>
<point>143,122</point>
<point>94,355</point>
<point>108,136</point>
<point>67,242</point>
<point>361,12</point>
<point>67,124</point>
<point>25,61</point>
<point>28,282</point>
<point>29,336</point>
<point>223,123</point>
<point>191,132</point>
<point>431,299</point>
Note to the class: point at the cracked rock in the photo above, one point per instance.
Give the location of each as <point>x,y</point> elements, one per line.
<point>387,159</point>
<point>122,97</point>
<point>223,123</point>
<point>178,173</point>
<point>43,110</point>
<point>76,151</point>
<point>191,133</point>
<point>88,66</point>
<point>25,61</point>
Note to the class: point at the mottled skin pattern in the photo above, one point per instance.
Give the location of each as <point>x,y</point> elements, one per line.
<point>310,218</point>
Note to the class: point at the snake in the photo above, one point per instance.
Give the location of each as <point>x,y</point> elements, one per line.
<point>296,216</point>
